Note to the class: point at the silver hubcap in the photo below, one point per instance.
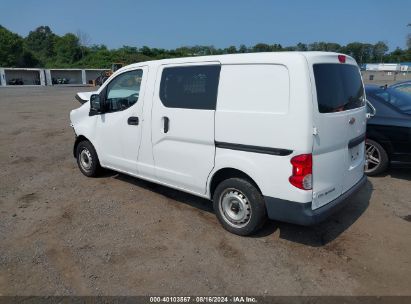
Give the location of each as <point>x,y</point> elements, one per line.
<point>235,208</point>
<point>85,159</point>
<point>372,157</point>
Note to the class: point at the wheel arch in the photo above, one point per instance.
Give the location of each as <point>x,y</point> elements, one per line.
<point>226,173</point>
<point>79,139</point>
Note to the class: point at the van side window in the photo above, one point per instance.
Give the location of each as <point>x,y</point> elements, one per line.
<point>190,87</point>
<point>123,91</point>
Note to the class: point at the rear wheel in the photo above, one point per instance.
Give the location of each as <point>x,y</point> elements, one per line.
<point>239,206</point>
<point>376,158</point>
<point>87,159</point>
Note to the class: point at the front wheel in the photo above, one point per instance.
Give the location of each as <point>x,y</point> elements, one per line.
<point>87,159</point>
<point>376,158</point>
<point>239,206</point>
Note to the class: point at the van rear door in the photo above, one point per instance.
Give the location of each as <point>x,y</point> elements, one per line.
<point>339,127</point>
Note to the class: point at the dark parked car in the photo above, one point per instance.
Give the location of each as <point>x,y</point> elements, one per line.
<point>389,130</point>
<point>404,86</point>
<point>60,80</point>
<point>16,81</point>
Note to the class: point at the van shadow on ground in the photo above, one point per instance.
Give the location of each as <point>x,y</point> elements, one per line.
<point>315,236</point>
<point>327,231</point>
<point>179,196</point>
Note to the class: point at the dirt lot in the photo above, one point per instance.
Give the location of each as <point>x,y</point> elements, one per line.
<point>64,234</point>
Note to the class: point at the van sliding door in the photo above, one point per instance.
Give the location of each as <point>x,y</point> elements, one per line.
<point>183,124</point>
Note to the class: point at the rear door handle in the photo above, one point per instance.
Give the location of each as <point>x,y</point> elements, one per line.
<point>166,124</point>
<point>133,121</point>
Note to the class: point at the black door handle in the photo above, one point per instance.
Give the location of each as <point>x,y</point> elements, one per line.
<point>166,124</point>
<point>132,121</point>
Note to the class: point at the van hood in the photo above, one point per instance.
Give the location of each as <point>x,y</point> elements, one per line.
<point>84,97</point>
<point>77,115</point>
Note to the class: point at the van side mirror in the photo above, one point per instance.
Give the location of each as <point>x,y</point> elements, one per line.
<point>371,111</point>
<point>95,105</point>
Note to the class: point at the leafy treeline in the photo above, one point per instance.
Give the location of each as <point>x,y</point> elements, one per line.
<point>43,48</point>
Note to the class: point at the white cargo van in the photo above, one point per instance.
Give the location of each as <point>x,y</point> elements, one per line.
<point>264,135</point>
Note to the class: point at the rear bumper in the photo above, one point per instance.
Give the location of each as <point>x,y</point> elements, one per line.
<point>301,213</point>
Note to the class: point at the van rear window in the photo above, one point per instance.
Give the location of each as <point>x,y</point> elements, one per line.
<point>339,87</point>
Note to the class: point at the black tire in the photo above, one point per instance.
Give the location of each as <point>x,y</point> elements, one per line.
<point>87,159</point>
<point>230,196</point>
<point>373,152</point>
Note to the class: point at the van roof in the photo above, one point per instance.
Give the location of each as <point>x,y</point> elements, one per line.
<point>238,58</point>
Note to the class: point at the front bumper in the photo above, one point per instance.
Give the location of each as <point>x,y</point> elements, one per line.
<point>301,213</point>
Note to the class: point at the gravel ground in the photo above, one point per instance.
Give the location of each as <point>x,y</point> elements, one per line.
<point>64,234</point>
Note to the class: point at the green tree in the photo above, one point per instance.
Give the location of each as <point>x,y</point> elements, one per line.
<point>289,49</point>
<point>398,55</point>
<point>301,47</point>
<point>316,46</point>
<point>231,50</point>
<point>362,52</point>
<point>276,47</point>
<point>41,43</point>
<point>202,50</point>
<point>28,60</point>
<point>333,47</point>
<point>243,49</point>
<point>145,50</point>
<point>324,46</point>
<point>261,47</point>
<point>98,57</point>
<point>379,50</point>
<point>44,48</point>
<point>67,49</point>
<point>11,48</point>
<point>84,41</point>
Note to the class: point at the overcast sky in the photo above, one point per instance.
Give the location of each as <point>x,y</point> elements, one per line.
<point>170,24</point>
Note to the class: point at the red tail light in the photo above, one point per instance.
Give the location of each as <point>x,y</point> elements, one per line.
<point>341,58</point>
<point>302,171</point>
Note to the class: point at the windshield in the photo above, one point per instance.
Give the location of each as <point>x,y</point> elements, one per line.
<point>339,87</point>
<point>399,99</point>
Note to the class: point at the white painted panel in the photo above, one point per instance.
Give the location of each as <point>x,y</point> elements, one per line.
<point>260,88</point>
<point>183,156</point>
<point>253,106</point>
